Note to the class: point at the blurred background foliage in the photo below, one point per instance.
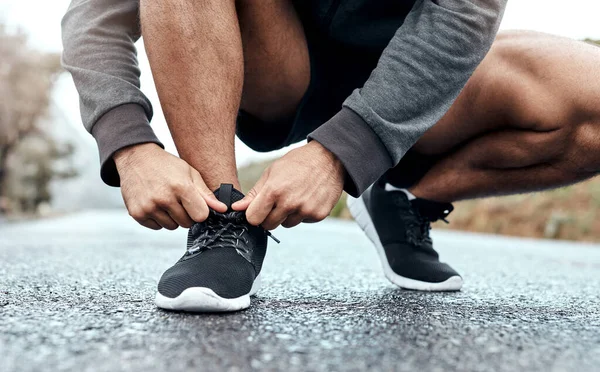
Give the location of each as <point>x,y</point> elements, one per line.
<point>30,158</point>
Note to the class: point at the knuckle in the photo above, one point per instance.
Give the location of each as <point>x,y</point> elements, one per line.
<point>304,212</point>
<point>267,191</point>
<point>205,193</point>
<point>314,214</point>
<point>137,213</point>
<point>176,187</point>
<point>274,193</point>
<point>320,215</point>
<point>181,186</point>
<point>149,207</point>
<point>289,206</point>
<point>160,201</point>
<point>252,192</point>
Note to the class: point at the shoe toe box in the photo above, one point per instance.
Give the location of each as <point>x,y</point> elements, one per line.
<point>223,271</point>
<point>423,266</point>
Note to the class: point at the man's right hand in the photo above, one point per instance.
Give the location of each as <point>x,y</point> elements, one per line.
<point>162,190</point>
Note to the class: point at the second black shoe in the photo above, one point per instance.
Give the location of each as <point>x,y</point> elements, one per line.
<point>221,267</point>
<point>399,229</point>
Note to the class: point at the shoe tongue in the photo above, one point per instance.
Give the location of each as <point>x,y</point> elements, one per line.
<point>228,195</point>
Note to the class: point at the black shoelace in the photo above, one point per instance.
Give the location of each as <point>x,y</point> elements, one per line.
<point>224,230</point>
<point>419,227</point>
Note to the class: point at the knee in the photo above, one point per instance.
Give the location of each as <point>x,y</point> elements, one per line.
<point>272,98</point>
<point>272,106</point>
<point>582,150</point>
<point>276,58</point>
<point>574,150</point>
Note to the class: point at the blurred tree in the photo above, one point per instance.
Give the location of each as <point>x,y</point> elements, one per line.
<point>592,41</point>
<point>28,154</point>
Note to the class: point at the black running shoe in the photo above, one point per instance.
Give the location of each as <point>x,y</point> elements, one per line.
<point>399,228</point>
<point>220,269</point>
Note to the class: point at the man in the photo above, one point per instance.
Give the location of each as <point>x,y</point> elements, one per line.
<point>365,81</point>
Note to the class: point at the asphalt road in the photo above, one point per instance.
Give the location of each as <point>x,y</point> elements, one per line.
<point>76,293</point>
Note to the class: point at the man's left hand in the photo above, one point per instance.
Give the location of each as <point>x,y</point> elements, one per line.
<point>302,186</point>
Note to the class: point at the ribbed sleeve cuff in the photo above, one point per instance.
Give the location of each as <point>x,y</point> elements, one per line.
<point>123,126</point>
<point>360,150</point>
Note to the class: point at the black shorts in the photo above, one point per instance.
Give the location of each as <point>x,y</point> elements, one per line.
<point>343,52</point>
<point>344,47</point>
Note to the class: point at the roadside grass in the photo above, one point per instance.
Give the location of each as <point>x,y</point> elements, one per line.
<point>569,213</point>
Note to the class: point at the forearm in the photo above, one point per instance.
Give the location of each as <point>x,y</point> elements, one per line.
<point>195,53</point>
<point>99,52</point>
<point>418,77</point>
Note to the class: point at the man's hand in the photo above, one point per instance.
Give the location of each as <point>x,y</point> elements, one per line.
<point>162,190</point>
<point>304,185</point>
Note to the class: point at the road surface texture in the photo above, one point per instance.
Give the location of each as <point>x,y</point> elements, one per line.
<point>76,293</point>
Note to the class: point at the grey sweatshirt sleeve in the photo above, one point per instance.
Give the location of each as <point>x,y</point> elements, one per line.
<point>419,75</point>
<point>99,52</point>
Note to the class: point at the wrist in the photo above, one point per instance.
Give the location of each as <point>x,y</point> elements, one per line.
<point>128,154</point>
<point>338,168</point>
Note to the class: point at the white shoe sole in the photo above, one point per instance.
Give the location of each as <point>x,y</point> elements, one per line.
<point>358,209</point>
<point>205,300</point>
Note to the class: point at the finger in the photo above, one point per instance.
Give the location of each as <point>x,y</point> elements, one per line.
<point>259,208</point>
<point>292,220</point>
<point>212,201</point>
<point>164,220</point>
<point>194,204</point>
<point>180,216</point>
<point>205,193</point>
<point>151,224</point>
<point>243,204</point>
<point>276,217</point>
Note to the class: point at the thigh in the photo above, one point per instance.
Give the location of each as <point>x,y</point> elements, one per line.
<point>276,59</point>
<point>528,81</point>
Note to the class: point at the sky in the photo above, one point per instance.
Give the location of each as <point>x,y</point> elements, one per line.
<point>40,19</point>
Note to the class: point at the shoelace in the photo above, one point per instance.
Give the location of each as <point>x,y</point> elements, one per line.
<point>422,225</point>
<point>419,227</point>
<point>224,230</point>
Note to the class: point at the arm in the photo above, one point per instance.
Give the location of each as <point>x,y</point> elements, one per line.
<point>99,52</point>
<point>159,189</point>
<point>418,77</point>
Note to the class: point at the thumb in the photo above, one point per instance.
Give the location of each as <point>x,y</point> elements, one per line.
<point>213,202</point>
<point>208,196</point>
<point>243,204</point>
